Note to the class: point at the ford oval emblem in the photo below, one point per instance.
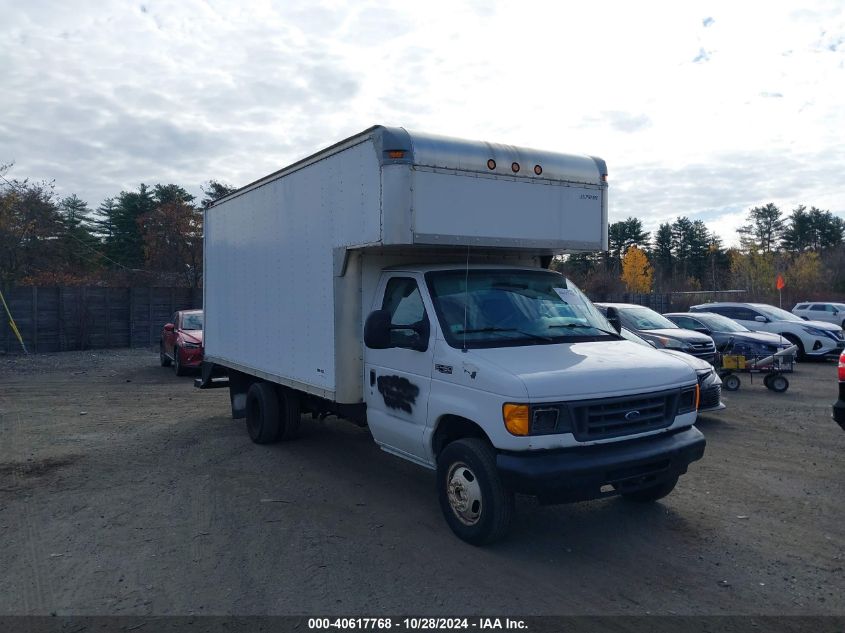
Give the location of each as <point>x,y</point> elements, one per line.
<point>632,415</point>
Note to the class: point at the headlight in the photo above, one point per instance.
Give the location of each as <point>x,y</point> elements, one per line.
<point>814,331</point>
<point>705,376</point>
<point>670,343</point>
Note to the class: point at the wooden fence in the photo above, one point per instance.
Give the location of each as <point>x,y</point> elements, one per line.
<point>54,319</point>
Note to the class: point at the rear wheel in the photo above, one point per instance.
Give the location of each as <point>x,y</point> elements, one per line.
<point>652,493</point>
<point>289,414</point>
<point>475,503</point>
<point>262,413</point>
<point>778,383</point>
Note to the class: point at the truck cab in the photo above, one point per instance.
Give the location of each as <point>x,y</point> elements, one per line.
<point>507,379</point>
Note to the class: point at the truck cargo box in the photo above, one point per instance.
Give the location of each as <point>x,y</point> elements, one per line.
<point>288,257</point>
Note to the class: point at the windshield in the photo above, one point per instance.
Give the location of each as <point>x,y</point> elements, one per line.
<point>642,318</point>
<point>192,321</point>
<point>776,314</point>
<point>500,308</point>
<point>719,323</point>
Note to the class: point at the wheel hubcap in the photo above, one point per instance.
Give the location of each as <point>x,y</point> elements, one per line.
<point>464,494</point>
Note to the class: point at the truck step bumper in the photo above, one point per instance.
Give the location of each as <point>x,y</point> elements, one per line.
<point>592,472</point>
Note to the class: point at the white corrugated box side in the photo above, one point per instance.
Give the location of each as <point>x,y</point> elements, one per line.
<point>272,248</point>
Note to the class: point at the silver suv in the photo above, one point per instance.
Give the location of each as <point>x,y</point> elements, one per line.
<point>821,311</point>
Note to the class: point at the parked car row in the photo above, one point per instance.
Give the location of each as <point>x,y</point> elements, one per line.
<point>815,339</point>
<point>694,337</point>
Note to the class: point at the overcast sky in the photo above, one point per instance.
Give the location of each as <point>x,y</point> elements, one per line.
<point>702,109</point>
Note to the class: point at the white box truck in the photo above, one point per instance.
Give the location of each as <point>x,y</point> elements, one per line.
<point>400,280</point>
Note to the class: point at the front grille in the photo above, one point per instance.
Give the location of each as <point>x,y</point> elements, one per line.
<point>614,417</point>
<point>705,351</point>
<point>710,397</point>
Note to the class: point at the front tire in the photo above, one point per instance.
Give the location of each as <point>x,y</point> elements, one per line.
<point>262,413</point>
<point>177,364</point>
<point>163,360</point>
<point>475,503</point>
<point>800,354</point>
<point>652,493</point>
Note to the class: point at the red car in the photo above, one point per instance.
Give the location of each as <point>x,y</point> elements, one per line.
<point>181,341</point>
<point>839,406</point>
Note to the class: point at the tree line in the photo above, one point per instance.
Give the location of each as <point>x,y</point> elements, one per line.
<point>806,247</point>
<point>151,236</point>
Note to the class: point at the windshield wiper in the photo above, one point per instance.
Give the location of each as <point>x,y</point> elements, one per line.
<point>482,330</point>
<point>591,327</point>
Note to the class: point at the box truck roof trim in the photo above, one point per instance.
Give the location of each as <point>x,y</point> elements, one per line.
<point>443,152</point>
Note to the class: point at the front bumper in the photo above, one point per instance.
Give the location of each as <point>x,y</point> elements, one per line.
<point>827,352</point>
<point>190,356</point>
<point>602,470</point>
<point>839,407</point>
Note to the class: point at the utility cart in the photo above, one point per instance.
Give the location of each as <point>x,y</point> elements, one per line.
<point>734,361</point>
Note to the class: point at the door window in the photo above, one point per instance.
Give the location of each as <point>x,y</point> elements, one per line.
<point>817,308</point>
<point>403,300</point>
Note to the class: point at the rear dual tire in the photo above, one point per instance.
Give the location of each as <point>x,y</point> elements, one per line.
<point>272,413</point>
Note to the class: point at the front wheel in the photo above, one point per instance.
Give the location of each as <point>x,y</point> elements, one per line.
<point>652,493</point>
<point>475,503</point>
<point>163,360</point>
<point>800,353</point>
<point>731,382</point>
<point>178,368</point>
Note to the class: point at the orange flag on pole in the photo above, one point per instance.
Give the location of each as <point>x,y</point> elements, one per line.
<point>780,283</point>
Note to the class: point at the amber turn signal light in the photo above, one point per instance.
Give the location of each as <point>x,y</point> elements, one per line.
<point>516,418</point>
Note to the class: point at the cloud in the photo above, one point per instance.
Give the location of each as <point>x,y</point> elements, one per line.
<point>703,56</point>
<point>104,97</point>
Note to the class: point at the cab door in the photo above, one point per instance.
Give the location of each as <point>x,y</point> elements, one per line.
<point>397,380</point>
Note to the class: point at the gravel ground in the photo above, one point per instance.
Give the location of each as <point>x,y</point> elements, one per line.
<point>124,491</point>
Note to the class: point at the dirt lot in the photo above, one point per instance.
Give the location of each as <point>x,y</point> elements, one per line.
<point>123,490</point>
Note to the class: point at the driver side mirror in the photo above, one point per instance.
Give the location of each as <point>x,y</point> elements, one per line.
<point>614,320</point>
<point>169,327</point>
<point>761,319</point>
<point>703,330</point>
<point>377,329</point>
